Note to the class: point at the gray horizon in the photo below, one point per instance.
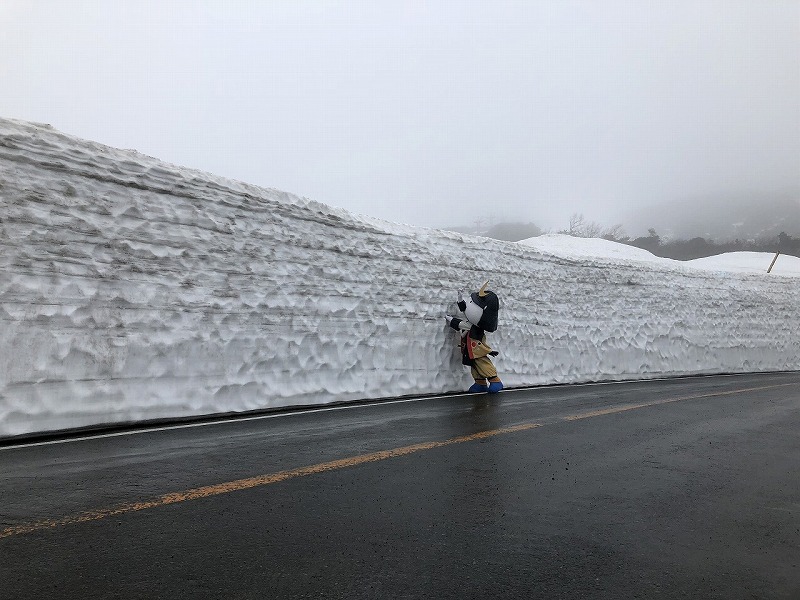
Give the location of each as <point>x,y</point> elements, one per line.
<point>431,113</point>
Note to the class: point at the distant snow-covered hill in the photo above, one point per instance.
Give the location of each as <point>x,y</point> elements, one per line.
<point>734,262</point>
<point>559,244</point>
<point>750,262</point>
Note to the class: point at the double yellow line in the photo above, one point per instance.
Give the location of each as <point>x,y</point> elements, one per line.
<point>261,480</point>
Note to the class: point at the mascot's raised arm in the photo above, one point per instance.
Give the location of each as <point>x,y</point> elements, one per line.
<point>474,319</point>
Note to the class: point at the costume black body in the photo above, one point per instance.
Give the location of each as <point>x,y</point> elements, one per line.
<point>480,315</point>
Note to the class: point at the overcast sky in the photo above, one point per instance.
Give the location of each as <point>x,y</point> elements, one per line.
<point>429,113</point>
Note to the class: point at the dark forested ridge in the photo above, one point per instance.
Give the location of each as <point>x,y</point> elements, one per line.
<point>699,247</point>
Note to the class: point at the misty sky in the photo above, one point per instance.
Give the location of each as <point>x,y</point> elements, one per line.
<point>429,113</point>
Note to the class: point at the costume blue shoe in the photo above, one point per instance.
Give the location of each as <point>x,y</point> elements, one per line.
<point>477,388</point>
<point>495,386</point>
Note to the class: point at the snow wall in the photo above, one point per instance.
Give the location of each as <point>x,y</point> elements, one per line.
<point>131,289</point>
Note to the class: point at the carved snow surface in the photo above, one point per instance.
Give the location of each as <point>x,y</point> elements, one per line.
<point>132,289</point>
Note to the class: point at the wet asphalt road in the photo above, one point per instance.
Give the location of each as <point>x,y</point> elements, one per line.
<point>686,488</point>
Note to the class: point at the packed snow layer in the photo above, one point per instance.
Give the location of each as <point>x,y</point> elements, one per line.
<point>131,289</point>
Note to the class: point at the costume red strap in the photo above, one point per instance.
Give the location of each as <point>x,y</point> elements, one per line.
<point>471,345</point>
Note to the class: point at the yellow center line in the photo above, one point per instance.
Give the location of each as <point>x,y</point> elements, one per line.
<point>251,482</point>
<point>261,480</point>
<point>625,407</point>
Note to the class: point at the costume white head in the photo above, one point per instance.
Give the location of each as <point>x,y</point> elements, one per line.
<point>481,310</point>
<point>473,312</point>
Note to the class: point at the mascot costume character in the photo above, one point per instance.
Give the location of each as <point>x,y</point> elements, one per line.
<point>474,319</point>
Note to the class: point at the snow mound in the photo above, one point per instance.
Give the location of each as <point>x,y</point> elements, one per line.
<point>568,246</point>
<point>132,289</point>
<point>749,262</point>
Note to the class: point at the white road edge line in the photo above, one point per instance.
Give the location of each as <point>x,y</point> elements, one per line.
<point>354,406</point>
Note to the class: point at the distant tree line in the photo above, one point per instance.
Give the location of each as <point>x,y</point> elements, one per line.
<point>699,247</point>
<point>513,232</point>
<point>510,232</point>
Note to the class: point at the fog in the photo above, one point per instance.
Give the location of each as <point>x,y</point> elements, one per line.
<point>432,113</point>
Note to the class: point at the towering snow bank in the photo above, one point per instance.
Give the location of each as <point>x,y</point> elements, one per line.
<point>132,289</point>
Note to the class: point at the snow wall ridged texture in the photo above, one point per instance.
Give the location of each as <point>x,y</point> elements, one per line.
<point>131,289</point>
